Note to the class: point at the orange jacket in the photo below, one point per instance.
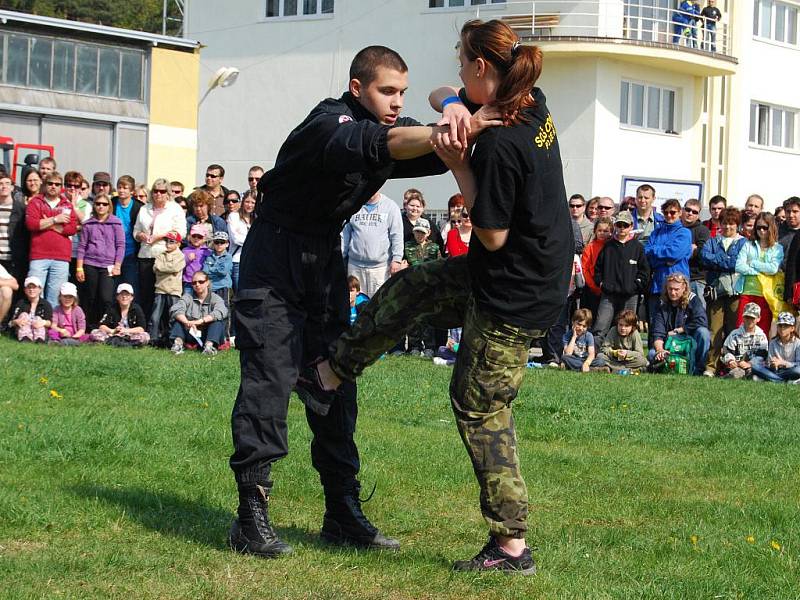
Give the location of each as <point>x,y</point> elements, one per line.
<point>588,260</point>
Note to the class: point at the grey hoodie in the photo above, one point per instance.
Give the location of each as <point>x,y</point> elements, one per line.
<point>374,235</point>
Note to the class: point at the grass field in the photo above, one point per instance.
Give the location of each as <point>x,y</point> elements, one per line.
<point>114,483</point>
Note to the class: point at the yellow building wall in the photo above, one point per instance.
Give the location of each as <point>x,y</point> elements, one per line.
<point>172,135</point>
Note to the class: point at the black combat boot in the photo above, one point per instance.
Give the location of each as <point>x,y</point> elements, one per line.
<point>345,524</point>
<point>251,532</point>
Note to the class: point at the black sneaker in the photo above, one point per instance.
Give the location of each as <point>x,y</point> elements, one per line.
<point>493,558</point>
<point>309,388</point>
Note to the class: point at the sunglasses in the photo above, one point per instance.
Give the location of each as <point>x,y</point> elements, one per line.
<point>762,228</point>
<point>600,207</point>
<point>212,176</point>
<point>253,178</point>
<point>101,183</point>
<point>622,225</point>
<point>576,205</point>
<point>161,191</point>
<point>101,203</point>
<point>72,186</point>
<point>54,183</point>
<point>691,211</point>
<point>197,237</point>
<point>201,282</point>
<point>670,212</point>
<point>231,201</point>
<point>220,241</point>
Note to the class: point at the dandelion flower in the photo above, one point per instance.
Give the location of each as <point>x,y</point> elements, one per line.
<point>750,539</point>
<point>54,394</point>
<point>775,545</point>
<point>42,380</point>
<point>694,539</point>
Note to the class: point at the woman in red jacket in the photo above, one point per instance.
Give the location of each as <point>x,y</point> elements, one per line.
<point>459,235</point>
<point>51,219</point>
<point>590,297</point>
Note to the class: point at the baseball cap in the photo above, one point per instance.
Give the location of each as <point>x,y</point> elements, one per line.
<point>786,318</point>
<point>751,309</point>
<point>197,229</point>
<point>422,225</point>
<point>220,235</point>
<point>69,289</point>
<point>33,280</point>
<point>174,236</point>
<point>624,217</point>
<point>125,287</point>
<point>101,177</point>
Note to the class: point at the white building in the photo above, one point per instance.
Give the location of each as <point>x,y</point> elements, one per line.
<point>626,100</point>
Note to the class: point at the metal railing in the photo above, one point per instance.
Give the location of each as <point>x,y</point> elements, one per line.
<point>653,21</point>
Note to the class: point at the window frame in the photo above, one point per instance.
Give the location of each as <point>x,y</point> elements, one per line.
<point>77,47</point>
<point>763,127</point>
<point>666,95</point>
<point>780,11</point>
<point>468,5</point>
<point>298,17</point>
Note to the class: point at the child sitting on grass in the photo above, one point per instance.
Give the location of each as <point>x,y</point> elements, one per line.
<point>579,352</point>
<point>783,357</point>
<point>32,314</point>
<point>69,321</point>
<point>622,347</point>
<point>744,345</point>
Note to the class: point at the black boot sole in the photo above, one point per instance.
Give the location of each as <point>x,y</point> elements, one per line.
<point>346,542</point>
<point>238,543</point>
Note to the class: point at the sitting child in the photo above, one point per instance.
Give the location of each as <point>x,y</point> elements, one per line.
<point>69,321</point>
<point>446,355</point>
<point>32,314</point>
<point>124,321</point>
<point>357,297</point>
<point>622,347</point>
<point>579,352</point>
<point>783,357</point>
<point>744,345</point>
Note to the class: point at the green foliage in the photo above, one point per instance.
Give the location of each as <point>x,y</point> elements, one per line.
<point>114,483</point>
<point>140,15</point>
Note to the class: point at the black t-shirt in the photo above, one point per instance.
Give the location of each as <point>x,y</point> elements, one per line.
<point>520,185</point>
<point>711,13</point>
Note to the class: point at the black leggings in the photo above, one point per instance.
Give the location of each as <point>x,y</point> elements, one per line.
<point>98,291</point>
<point>147,284</point>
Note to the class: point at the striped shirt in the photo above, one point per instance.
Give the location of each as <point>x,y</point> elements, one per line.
<point>5,241</point>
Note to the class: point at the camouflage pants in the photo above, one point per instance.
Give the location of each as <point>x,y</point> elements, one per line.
<point>488,373</point>
<point>433,293</point>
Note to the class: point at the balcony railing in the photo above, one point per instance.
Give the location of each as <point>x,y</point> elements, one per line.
<point>656,22</point>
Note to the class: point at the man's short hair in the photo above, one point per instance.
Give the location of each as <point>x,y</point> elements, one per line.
<point>73,177</point>
<point>717,199</point>
<point>646,187</point>
<point>4,175</point>
<point>255,168</point>
<point>791,201</point>
<point>48,160</point>
<point>365,64</point>
<point>177,184</point>
<point>577,197</point>
<point>216,168</point>
<point>751,196</point>
<point>127,181</point>
<point>692,202</point>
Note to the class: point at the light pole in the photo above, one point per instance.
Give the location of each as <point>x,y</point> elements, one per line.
<point>223,77</point>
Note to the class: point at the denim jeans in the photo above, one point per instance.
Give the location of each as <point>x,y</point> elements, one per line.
<point>53,273</point>
<point>213,332</point>
<point>780,376</point>
<point>610,306</point>
<point>129,273</point>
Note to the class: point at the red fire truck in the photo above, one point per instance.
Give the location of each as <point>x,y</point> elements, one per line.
<point>11,154</point>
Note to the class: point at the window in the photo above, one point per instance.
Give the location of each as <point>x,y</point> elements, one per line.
<point>647,106</point>
<point>773,127</point>
<point>298,8</point>
<point>775,20</point>
<point>461,3</point>
<point>48,63</point>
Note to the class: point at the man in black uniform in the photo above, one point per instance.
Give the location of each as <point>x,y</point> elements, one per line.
<point>293,297</point>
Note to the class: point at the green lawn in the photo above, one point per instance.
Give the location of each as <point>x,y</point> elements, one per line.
<point>114,483</point>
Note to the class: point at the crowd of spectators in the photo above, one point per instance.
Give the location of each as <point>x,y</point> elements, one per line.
<point>89,261</point>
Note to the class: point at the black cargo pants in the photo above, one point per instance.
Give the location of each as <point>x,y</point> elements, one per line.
<point>292,303</point>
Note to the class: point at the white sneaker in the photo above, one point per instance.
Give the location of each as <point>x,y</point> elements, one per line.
<point>708,373</point>
<point>177,346</point>
<point>756,378</point>
<point>439,361</point>
<point>209,349</point>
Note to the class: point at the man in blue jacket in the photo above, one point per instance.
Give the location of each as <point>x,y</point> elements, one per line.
<point>293,297</point>
<point>668,250</point>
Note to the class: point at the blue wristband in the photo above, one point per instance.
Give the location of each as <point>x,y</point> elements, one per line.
<point>450,100</point>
